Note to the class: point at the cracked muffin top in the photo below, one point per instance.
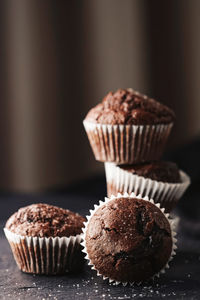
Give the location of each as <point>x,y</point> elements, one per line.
<point>43,220</point>
<point>129,107</point>
<point>164,171</point>
<point>128,239</point>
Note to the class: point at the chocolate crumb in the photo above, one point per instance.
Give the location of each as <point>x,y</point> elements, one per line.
<point>43,220</point>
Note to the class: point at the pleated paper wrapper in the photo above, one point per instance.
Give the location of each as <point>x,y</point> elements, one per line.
<point>50,256</point>
<point>126,144</point>
<point>172,223</point>
<point>167,194</point>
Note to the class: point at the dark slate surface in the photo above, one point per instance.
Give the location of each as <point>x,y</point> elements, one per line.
<point>182,280</point>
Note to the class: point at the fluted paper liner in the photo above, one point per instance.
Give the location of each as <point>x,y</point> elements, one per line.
<point>132,195</point>
<point>52,255</point>
<point>167,194</point>
<point>126,144</point>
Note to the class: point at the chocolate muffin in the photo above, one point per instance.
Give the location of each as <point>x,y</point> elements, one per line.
<point>128,240</point>
<point>45,239</point>
<point>160,180</point>
<point>128,127</point>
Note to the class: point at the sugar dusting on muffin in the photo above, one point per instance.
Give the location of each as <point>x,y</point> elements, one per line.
<point>45,239</point>
<point>128,239</point>
<point>45,220</point>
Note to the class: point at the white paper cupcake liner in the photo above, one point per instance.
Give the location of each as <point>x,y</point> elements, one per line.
<point>53,255</point>
<point>126,144</point>
<point>167,194</point>
<point>172,223</point>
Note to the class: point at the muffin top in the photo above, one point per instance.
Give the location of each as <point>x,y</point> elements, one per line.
<point>43,220</point>
<point>128,239</point>
<point>164,171</point>
<point>129,107</point>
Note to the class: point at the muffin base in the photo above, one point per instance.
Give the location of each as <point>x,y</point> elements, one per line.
<point>49,256</point>
<point>126,144</point>
<point>167,194</point>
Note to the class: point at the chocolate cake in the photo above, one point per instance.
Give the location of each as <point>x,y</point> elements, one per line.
<point>128,240</point>
<point>128,128</point>
<point>45,239</point>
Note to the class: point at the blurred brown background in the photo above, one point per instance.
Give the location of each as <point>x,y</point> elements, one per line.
<point>59,58</point>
